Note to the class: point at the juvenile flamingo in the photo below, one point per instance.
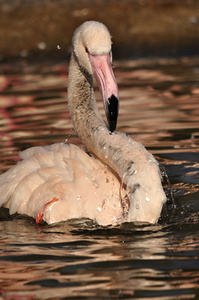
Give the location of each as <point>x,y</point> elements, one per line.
<point>118,181</point>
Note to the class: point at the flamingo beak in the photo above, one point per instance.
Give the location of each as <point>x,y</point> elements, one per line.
<point>103,72</point>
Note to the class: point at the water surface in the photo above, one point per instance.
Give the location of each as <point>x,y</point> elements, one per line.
<point>79,260</point>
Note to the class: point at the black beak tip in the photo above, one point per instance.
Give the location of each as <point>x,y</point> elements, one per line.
<point>112,112</point>
<point>112,126</point>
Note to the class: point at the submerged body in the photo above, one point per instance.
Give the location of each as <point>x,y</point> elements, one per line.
<point>119,182</point>
<point>62,182</point>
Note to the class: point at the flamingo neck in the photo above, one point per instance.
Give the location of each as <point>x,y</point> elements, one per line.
<point>82,106</point>
<point>115,149</point>
<point>136,167</point>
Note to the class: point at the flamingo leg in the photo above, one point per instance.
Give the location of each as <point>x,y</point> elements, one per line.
<point>40,214</point>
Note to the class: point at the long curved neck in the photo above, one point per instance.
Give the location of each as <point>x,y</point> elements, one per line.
<point>82,104</point>
<point>116,149</point>
<point>136,167</point>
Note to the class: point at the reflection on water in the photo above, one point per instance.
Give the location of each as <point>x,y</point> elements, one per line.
<point>77,259</point>
<point>50,262</point>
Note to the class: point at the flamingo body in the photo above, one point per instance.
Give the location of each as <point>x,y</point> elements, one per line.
<point>83,186</point>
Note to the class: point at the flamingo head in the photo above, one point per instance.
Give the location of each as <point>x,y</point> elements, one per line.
<point>92,49</point>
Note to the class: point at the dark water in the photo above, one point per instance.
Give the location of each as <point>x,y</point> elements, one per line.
<point>78,259</point>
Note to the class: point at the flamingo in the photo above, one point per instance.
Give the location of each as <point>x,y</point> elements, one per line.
<point>117,180</point>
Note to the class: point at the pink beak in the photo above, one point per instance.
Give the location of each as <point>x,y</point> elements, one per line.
<point>103,73</point>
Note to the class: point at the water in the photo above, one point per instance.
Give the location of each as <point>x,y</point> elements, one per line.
<point>78,259</point>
